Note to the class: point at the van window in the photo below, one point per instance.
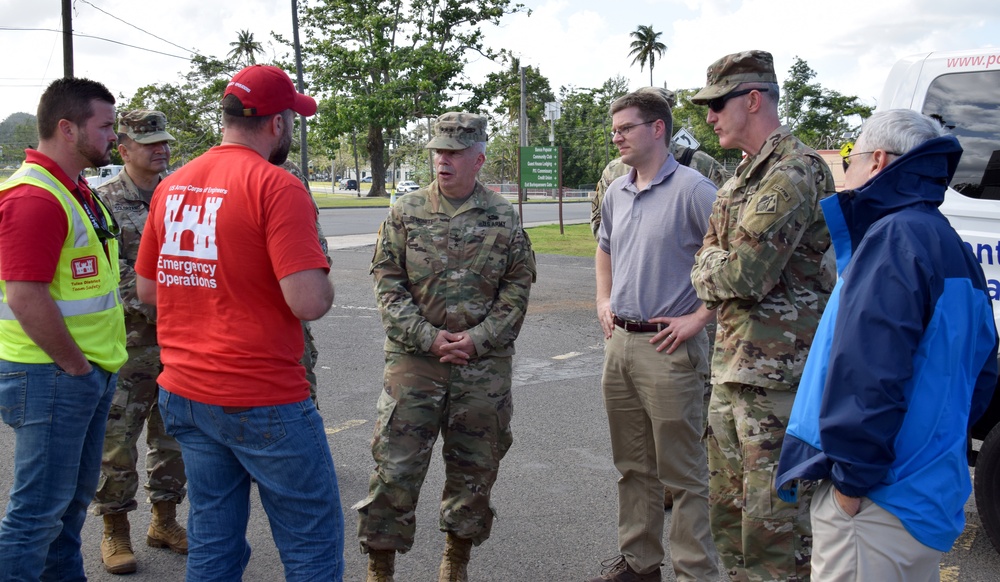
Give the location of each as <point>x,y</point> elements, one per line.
<point>968,104</point>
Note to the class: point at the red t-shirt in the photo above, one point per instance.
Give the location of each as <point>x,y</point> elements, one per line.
<point>33,225</point>
<point>222,231</point>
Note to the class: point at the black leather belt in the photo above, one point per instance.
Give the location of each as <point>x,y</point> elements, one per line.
<point>638,326</point>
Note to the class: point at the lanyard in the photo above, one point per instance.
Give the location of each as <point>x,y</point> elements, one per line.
<point>100,223</point>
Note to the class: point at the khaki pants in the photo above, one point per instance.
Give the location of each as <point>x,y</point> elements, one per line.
<point>872,545</point>
<point>654,403</point>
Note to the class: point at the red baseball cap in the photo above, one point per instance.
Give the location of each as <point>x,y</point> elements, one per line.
<point>266,90</point>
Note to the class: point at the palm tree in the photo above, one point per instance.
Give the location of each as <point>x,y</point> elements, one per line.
<point>245,49</point>
<point>646,48</point>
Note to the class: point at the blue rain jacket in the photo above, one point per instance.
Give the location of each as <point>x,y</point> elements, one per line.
<point>905,357</point>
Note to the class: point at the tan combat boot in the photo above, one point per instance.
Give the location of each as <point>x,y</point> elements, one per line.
<point>455,560</point>
<point>381,565</point>
<point>164,531</point>
<point>116,545</point>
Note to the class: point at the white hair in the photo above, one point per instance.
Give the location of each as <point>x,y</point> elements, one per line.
<point>897,130</point>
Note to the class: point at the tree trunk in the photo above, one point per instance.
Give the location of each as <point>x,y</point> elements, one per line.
<point>376,155</point>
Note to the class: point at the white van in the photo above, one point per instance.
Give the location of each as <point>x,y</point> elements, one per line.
<point>962,90</point>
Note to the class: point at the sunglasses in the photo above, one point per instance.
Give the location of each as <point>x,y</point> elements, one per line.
<point>719,103</point>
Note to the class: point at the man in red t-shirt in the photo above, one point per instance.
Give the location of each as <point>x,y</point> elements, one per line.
<point>62,331</point>
<point>231,258</point>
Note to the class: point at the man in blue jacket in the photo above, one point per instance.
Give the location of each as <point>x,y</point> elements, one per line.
<point>904,361</point>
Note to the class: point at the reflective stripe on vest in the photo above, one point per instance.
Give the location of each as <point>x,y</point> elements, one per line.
<point>52,185</point>
<point>68,307</point>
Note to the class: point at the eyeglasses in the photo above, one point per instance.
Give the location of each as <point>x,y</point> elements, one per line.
<point>848,150</point>
<point>719,103</point>
<point>623,130</point>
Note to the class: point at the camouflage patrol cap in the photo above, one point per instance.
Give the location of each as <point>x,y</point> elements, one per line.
<point>727,73</point>
<point>663,92</point>
<point>144,126</point>
<point>457,130</point>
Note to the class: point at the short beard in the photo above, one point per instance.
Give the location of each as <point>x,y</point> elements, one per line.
<point>279,155</point>
<point>92,154</point>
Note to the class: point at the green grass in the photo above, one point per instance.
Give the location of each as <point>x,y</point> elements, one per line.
<point>578,240</point>
<point>325,200</point>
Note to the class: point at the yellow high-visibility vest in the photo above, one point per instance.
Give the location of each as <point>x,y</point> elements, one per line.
<point>85,285</point>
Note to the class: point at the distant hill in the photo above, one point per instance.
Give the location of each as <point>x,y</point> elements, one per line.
<point>17,132</point>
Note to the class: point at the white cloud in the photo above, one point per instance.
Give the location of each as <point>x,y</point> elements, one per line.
<point>851,45</point>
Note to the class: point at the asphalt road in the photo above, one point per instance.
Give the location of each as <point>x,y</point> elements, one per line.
<point>556,496</point>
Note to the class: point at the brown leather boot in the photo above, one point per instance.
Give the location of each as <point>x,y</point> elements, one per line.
<point>116,545</point>
<point>381,565</point>
<point>455,560</point>
<point>618,570</point>
<point>164,531</point>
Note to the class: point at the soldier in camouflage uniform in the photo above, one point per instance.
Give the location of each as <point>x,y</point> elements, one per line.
<point>143,143</point>
<point>696,159</point>
<point>452,270</point>
<point>761,268</point>
<point>310,354</point>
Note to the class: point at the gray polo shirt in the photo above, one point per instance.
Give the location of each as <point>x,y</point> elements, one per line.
<point>652,236</point>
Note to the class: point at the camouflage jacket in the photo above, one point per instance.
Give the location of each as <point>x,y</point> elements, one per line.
<point>130,210</point>
<point>468,272</point>
<point>294,170</point>
<point>696,159</point>
<point>762,266</point>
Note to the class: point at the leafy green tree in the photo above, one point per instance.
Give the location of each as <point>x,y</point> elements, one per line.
<point>693,117</point>
<point>583,131</point>
<point>18,132</point>
<point>382,64</point>
<point>245,49</point>
<point>646,47</point>
<point>501,94</point>
<point>191,119</point>
<point>822,118</point>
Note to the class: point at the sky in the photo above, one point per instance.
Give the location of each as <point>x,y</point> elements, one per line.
<point>574,43</point>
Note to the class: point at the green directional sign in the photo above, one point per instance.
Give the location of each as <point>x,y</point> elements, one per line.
<point>539,167</point>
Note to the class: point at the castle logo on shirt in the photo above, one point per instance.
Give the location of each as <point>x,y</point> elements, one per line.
<point>189,252</point>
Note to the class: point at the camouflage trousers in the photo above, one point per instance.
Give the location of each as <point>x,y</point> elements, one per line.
<point>471,407</point>
<point>134,405</point>
<point>308,361</point>
<point>758,536</point>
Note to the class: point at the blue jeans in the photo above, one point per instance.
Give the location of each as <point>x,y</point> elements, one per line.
<point>58,423</point>
<point>284,449</point>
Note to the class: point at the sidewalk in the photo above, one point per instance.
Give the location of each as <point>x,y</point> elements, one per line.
<point>362,240</point>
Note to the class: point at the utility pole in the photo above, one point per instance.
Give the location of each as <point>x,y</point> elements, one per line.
<point>301,85</point>
<point>523,141</point>
<point>430,153</point>
<point>67,22</point>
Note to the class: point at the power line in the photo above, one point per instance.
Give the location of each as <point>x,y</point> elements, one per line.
<point>81,35</point>
<point>140,29</point>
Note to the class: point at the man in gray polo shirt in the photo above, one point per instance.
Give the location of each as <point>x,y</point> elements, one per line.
<point>656,358</point>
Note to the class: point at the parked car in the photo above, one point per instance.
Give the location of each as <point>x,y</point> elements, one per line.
<point>405,186</point>
<point>366,180</point>
<point>350,184</point>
